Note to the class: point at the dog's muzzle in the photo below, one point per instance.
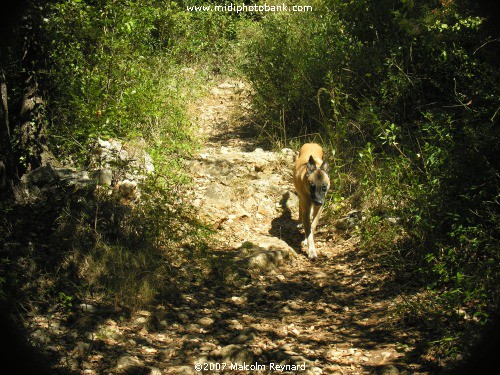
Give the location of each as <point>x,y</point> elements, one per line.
<point>318,203</point>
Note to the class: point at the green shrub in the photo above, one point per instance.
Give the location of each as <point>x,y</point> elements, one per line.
<point>130,70</point>
<point>104,77</point>
<point>115,69</point>
<point>291,57</point>
<point>405,95</point>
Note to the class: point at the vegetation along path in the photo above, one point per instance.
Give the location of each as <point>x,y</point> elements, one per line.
<point>265,303</point>
<point>146,226</point>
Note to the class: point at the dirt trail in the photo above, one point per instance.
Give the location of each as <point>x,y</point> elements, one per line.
<point>276,307</point>
<point>330,314</point>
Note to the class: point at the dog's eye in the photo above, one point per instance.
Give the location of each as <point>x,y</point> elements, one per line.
<point>313,186</point>
<point>325,188</point>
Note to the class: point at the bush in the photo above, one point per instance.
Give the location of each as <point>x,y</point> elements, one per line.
<point>106,78</point>
<point>116,69</point>
<point>403,94</point>
<point>291,58</point>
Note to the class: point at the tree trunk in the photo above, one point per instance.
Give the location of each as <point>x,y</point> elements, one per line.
<point>32,126</point>
<point>17,33</point>
<point>8,170</point>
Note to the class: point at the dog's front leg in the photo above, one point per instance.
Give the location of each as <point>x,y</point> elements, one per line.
<point>306,221</point>
<point>316,211</point>
<point>309,231</point>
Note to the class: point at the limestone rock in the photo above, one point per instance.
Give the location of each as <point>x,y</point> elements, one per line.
<point>41,176</point>
<point>126,160</point>
<point>129,365</point>
<point>388,370</point>
<point>267,256</point>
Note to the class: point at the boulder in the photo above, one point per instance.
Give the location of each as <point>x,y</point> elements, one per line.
<point>267,256</point>
<point>126,160</point>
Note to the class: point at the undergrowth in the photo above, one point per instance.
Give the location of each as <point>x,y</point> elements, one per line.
<point>130,71</point>
<point>404,99</point>
<point>403,96</point>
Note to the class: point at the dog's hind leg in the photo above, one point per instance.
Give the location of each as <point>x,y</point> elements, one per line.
<point>317,210</point>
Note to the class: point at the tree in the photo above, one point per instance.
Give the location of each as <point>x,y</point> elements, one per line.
<point>27,121</point>
<point>8,169</point>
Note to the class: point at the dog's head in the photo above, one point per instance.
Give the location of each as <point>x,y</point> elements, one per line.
<point>318,180</point>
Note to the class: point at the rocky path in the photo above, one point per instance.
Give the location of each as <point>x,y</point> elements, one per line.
<point>331,314</point>
<point>276,307</point>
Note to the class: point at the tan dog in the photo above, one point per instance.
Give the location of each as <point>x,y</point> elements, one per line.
<point>310,177</point>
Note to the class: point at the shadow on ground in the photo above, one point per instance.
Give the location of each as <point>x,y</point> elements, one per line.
<point>245,134</point>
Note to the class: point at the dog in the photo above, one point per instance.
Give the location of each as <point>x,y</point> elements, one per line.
<point>311,180</point>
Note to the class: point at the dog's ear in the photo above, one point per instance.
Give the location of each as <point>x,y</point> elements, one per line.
<point>325,166</point>
<point>310,166</point>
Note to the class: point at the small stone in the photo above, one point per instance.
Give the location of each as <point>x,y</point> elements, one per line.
<point>104,176</point>
<point>186,370</point>
<point>388,370</point>
<point>264,208</point>
<point>154,371</point>
<point>235,325</point>
<point>245,337</point>
<point>227,351</point>
<point>183,317</point>
<point>112,333</point>
<point>206,321</point>
<point>82,347</point>
<point>394,220</point>
<point>71,362</point>
<point>243,356</point>
<point>239,301</point>
<point>40,336</point>
<point>85,307</point>
<point>227,85</point>
<point>126,363</point>
<point>207,346</point>
<point>320,275</point>
<point>193,327</point>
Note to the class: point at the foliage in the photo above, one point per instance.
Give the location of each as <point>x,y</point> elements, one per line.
<point>114,69</point>
<point>69,248</point>
<point>290,57</point>
<point>405,95</point>
<point>103,77</point>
